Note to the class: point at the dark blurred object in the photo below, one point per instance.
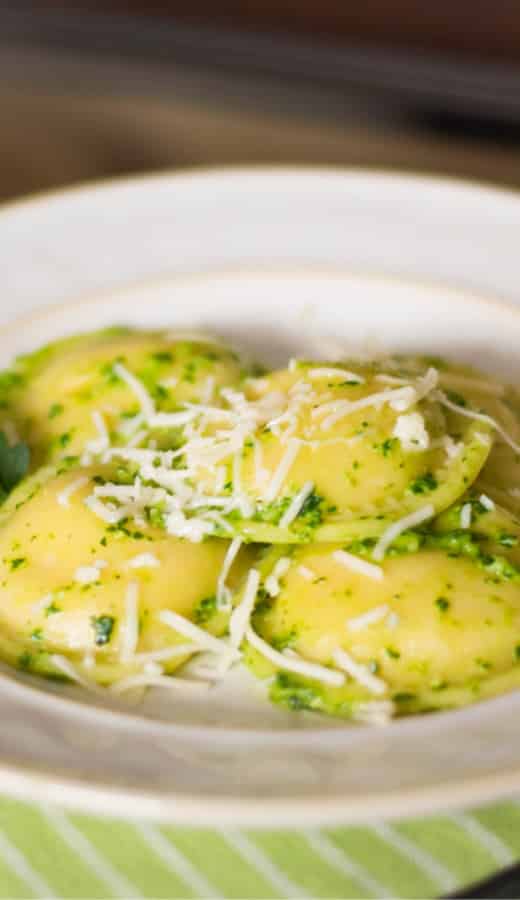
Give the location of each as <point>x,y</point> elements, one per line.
<point>504,886</point>
<point>410,78</point>
<point>91,94</point>
<point>489,28</point>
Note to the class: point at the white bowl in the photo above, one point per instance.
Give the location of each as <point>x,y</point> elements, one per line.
<point>229,756</point>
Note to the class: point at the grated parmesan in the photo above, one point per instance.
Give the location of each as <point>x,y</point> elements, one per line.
<point>223,593</point>
<point>144,561</point>
<point>137,387</point>
<point>331,372</point>
<point>295,507</point>
<point>241,616</point>
<point>86,574</point>
<point>64,665</point>
<point>281,568</point>
<point>64,496</point>
<point>155,680</point>
<point>371,617</point>
<point>306,573</point>
<point>480,417</point>
<point>393,532</point>
<point>358,565</point>
<point>465,515</point>
<point>202,638</point>
<point>130,634</point>
<point>285,464</point>
<point>410,430</point>
<point>374,712</point>
<point>295,663</point>
<point>359,672</point>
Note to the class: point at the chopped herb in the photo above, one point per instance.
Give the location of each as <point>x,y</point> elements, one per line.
<point>55,409</point>
<point>205,610</point>
<point>456,398</point>
<point>17,563</point>
<point>507,540</point>
<point>103,627</point>
<point>107,371</point>
<point>163,356</point>
<point>387,446</point>
<point>393,653</point>
<point>517,652</point>
<point>51,609</point>
<point>311,513</point>
<point>292,693</point>
<point>403,697</point>
<point>156,517</point>
<point>483,664</point>
<point>423,484</point>
<point>283,641</point>
<point>24,660</point>
<point>68,462</point>
<point>65,439</point>
<point>442,604</point>
<point>14,463</point>
<point>37,634</point>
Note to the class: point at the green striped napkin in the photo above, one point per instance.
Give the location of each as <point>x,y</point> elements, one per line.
<point>45,852</point>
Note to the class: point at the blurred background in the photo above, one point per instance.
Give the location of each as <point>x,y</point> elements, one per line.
<point>92,90</point>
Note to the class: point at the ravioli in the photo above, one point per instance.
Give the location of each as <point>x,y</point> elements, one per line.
<point>434,630</point>
<point>75,587</point>
<point>355,451</point>
<point>350,530</point>
<point>76,395</point>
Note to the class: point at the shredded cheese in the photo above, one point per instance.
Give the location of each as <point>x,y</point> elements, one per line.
<point>487,502</point>
<point>371,617</point>
<point>155,680</point>
<point>202,638</point>
<point>331,372</point>
<point>144,561</point>
<point>393,620</point>
<point>360,673</point>
<point>393,532</point>
<point>65,495</point>
<point>165,654</point>
<point>241,616</point>
<point>410,430</point>
<point>295,507</point>
<point>465,516</point>
<point>64,665</point>
<point>130,634</point>
<point>358,565</point>
<point>281,568</point>
<point>137,387</point>
<point>479,417</point>
<point>86,574</point>
<point>223,593</point>
<point>306,573</point>
<point>282,470</point>
<point>374,712</point>
<point>295,663</point>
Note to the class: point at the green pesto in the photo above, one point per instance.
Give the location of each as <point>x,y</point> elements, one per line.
<point>14,464</point>
<point>55,409</point>
<point>52,609</point>
<point>205,610</point>
<point>424,484</point>
<point>103,627</point>
<point>442,604</point>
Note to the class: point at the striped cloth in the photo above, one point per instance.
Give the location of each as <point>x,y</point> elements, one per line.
<point>49,853</point>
